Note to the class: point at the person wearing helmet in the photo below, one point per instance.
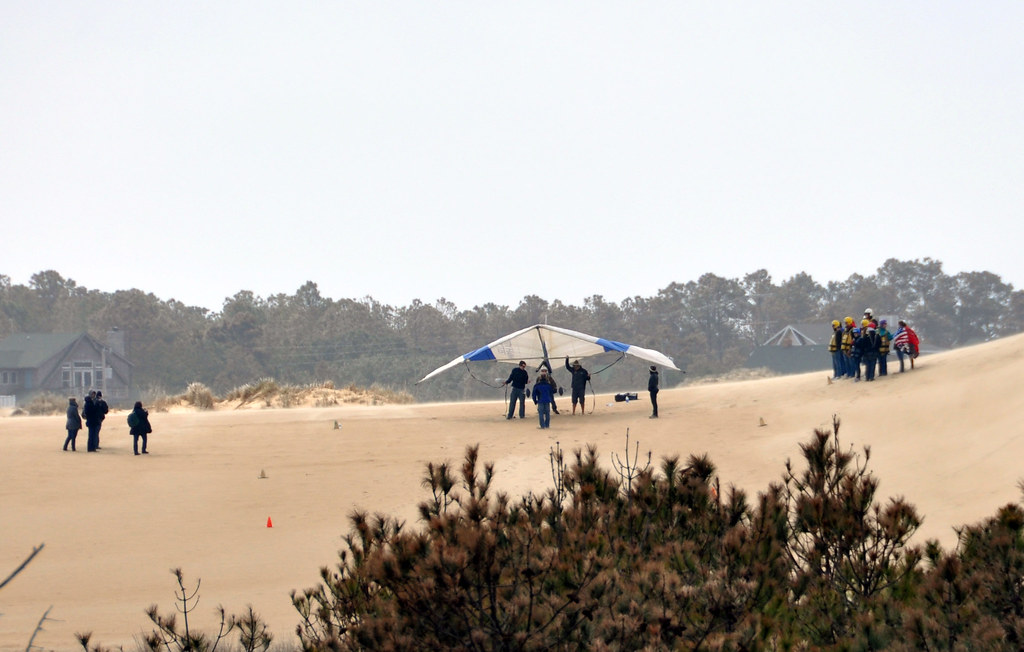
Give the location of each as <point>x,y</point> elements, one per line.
<point>835,348</point>
<point>847,348</point>
<point>856,351</point>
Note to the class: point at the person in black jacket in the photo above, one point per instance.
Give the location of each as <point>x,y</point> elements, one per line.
<point>652,387</point>
<point>101,410</point>
<point>73,423</point>
<point>518,379</point>
<point>580,376</point>
<point>91,416</point>
<point>138,424</point>
<point>872,343</point>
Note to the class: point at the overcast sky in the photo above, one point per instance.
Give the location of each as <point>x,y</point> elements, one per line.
<point>484,151</point>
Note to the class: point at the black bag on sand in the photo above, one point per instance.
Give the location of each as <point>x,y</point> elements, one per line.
<point>619,398</point>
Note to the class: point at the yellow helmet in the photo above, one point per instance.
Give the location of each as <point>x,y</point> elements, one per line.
<point>865,322</point>
<point>849,320</point>
<point>835,323</point>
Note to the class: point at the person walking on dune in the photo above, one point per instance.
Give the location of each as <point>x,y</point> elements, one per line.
<point>73,423</point>
<point>580,376</point>
<point>518,379</point>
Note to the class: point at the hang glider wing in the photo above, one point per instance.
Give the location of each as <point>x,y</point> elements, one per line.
<point>542,342</point>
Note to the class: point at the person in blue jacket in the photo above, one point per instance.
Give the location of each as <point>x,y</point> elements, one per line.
<point>543,397</point>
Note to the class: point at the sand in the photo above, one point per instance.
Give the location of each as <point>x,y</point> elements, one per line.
<point>947,436</point>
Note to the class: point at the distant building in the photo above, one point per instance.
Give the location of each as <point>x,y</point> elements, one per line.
<point>796,349</point>
<point>69,364</point>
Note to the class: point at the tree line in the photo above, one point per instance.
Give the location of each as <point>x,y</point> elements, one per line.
<point>708,326</point>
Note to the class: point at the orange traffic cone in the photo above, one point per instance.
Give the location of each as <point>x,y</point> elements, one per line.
<point>269,522</point>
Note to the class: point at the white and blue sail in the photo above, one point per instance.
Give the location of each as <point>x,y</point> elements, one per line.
<point>543,342</point>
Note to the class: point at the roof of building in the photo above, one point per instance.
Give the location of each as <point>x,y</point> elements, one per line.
<point>29,350</point>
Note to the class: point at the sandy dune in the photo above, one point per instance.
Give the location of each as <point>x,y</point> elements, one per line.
<point>948,436</point>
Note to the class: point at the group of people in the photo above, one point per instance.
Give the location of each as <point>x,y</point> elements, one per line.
<point>545,388</point>
<point>869,344</point>
<point>94,411</point>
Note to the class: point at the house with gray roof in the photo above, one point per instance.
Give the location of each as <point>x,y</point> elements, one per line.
<point>795,349</point>
<point>69,364</point>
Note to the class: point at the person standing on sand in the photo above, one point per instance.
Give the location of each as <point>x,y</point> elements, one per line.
<point>101,410</point>
<point>848,370</point>
<point>906,343</point>
<point>856,352</point>
<point>652,388</point>
<point>871,344</point>
<point>554,386</point>
<point>138,426</point>
<point>884,338</point>
<point>543,397</point>
<point>90,415</point>
<point>518,378</point>
<point>73,423</point>
<point>580,376</point>
<point>835,347</point>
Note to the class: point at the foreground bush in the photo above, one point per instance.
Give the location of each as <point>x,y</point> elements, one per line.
<point>656,563</point>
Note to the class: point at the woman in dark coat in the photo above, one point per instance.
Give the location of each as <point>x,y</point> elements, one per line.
<point>73,424</point>
<point>138,424</point>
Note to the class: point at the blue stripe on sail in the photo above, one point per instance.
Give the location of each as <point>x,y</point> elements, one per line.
<point>611,345</point>
<point>483,353</point>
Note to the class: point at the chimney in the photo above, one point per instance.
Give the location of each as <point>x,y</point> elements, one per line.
<point>115,341</point>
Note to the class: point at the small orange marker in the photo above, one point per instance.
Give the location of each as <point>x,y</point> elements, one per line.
<point>269,522</point>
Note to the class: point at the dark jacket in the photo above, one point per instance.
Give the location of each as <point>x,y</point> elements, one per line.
<point>872,343</point>
<point>74,421</point>
<point>142,427</point>
<point>101,409</point>
<point>91,413</point>
<point>652,382</point>
<point>580,376</point>
<point>518,378</point>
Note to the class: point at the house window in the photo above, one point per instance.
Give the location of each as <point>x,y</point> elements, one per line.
<point>14,377</point>
<point>78,375</point>
<point>3,378</point>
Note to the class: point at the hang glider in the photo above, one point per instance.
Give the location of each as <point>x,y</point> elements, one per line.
<point>543,342</point>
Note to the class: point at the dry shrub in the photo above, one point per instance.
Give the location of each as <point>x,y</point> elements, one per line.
<point>385,395</point>
<point>47,404</point>
<point>199,395</point>
<point>324,398</point>
<point>262,388</point>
